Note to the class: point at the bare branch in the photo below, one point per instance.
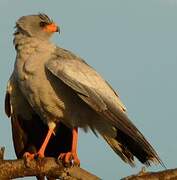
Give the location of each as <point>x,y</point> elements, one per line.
<point>10,169</point>
<point>51,167</point>
<point>170,174</point>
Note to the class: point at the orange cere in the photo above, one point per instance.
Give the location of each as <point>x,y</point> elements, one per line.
<point>51,28</point>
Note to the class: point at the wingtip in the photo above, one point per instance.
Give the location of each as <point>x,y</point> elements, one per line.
<point>156,161</point>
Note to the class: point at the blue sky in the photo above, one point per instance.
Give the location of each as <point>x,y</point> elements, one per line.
<point>133,44</point>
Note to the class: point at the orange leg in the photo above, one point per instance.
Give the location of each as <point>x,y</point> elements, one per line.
<point>41,151</point>
<point>46,141</point>
<point>72,155</point>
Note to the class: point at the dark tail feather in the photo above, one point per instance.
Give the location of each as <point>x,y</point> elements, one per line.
<point>143,152</point>
<point>119,149</point>
<point>126,147</point>
<point>129,141</point>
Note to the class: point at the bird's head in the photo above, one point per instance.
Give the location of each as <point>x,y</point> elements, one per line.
<point>38,26</point>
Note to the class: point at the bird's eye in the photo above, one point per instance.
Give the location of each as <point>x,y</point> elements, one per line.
<point>42,24</point>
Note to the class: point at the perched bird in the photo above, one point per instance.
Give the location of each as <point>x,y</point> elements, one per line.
<point>52,92</point>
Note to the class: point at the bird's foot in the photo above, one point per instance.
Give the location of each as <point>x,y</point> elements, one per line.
<point>28,157</point>
<point>31,156</point>
<point>70,158</point>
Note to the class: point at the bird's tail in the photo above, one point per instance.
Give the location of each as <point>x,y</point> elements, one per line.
<point>126,147</point>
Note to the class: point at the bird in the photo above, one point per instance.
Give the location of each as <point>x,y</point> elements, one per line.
<point>53,92</point>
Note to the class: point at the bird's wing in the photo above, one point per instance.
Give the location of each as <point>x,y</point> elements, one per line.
<point>20,138</point>
<point>99,95</point>
<point>23,128</point>
<point>91,88</point>
<point>28,130</point>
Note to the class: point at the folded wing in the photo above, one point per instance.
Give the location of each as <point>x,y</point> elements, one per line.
<point>98,94</point>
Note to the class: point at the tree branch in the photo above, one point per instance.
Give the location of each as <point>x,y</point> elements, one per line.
<point>170,174</point>
<point>51,167</point>
<point>10,169</point>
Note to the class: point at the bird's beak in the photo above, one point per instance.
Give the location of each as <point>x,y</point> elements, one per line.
<point>52,28</point>
<point>58,29</point>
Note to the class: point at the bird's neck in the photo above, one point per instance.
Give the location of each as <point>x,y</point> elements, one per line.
<point>30,50</point>
<point>29,46</point>
<point>21,40</point>
<point>18,39</point>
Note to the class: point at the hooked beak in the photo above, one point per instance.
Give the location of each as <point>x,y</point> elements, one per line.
<point>58,29</point>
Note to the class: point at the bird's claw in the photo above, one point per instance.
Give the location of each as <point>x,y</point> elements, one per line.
<point>31,156</point>
<point>28,157</point>
<point>69,158</point>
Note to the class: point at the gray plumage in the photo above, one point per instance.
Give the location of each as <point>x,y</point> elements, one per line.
<point>60,87</point>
